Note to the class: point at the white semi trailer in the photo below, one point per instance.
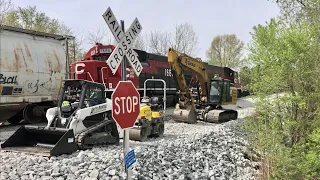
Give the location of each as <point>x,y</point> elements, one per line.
<point>32,66</point>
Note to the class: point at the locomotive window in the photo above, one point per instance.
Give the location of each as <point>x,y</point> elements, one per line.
<point>102,57</point>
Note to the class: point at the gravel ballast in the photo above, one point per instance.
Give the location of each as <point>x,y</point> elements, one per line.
<point>187,151</point>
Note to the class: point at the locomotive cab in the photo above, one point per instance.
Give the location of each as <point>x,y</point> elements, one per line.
<point>94,68</point>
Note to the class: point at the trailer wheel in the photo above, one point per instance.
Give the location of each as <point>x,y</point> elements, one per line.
<point>33,113</point>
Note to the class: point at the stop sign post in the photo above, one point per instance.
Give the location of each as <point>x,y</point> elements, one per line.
<point>125,98</point>
<point>125,104</point>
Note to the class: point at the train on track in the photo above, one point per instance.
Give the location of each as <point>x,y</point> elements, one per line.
<point>94,68</point>
<point>33,65</point>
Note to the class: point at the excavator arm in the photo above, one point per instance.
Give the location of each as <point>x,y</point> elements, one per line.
<point>177,63</point>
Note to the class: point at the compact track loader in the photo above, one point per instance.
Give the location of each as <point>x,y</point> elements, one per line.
<point>82,120</point>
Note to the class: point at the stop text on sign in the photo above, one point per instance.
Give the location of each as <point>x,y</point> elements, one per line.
<point>125,104</point>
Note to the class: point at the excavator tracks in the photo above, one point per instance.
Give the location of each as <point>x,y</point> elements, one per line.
<point>220,115</point>
<point>93,132</point>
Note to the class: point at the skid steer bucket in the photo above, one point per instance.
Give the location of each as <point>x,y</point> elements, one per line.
<point>187,115</point>
<point>41,141</point>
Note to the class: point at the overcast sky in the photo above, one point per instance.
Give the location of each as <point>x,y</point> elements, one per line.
<point>208,17</point>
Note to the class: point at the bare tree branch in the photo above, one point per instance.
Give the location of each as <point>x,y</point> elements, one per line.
<point>141,43</point>
<point>97,36</point>
<point>300,1</point>
<point>159,42</point>
<point>185,39</point>
<point>5,6</point>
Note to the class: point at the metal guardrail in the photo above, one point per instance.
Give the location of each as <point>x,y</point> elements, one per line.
<point>164,87</point>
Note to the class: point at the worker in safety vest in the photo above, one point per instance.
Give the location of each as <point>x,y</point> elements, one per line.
<point>66,106</point>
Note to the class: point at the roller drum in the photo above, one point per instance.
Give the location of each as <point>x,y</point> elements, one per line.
<point>138,133</point>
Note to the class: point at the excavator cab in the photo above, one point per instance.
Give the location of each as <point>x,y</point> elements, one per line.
<point>215,92</point>
<point>221,92</point>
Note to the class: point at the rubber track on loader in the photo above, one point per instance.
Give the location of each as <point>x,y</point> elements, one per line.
<point>80,137</point>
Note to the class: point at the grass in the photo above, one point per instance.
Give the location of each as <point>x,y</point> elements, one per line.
<point>4,123</point>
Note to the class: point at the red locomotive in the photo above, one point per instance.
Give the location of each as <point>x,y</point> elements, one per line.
<point>94,68</point>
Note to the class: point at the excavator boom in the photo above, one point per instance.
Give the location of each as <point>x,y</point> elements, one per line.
<point>212,94</point>
<point>177,63</point>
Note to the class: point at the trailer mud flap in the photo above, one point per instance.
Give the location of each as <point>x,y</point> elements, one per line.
<point>41,141</point>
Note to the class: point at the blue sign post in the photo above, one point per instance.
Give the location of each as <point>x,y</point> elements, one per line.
<point>130,159</point>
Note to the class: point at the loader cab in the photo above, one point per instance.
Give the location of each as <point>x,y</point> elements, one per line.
<point>219,92</point>
<point>79,94</point>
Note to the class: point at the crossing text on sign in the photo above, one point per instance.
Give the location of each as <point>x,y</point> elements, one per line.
<point>123,46</point>
<point>134,61</point>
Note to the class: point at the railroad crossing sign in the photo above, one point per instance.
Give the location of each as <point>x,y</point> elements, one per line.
<point>125,41</point>
<point>125,104</point>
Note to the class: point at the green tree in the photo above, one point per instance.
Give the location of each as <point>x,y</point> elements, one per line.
<point>286,53</point>
<point>296,11</point>
<point>287,60</point>
<point>226,50</point>
<point>31,18</point>
<point>245,76</point>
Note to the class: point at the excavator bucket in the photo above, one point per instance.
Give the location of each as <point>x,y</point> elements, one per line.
<point>218,116</point>
<point>41,141</point>
<point>187,115</point>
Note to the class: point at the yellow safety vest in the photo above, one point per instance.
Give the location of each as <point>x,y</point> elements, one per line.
<point>65,103</point>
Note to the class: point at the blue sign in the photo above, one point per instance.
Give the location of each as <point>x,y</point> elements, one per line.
<point>130,159</point>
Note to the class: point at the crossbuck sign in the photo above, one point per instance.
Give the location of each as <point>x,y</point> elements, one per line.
<point>125,42</point>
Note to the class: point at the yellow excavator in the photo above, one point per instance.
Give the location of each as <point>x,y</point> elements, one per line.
<point>214,92</point>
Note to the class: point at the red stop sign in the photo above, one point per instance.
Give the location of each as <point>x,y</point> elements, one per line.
<point>125,104</point>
